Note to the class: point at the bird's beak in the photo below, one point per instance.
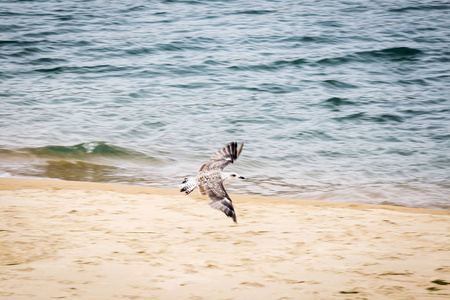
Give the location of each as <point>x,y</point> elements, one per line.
<point>241,177</point>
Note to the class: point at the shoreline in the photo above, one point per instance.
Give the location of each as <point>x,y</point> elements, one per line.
<point>11,183</point>
<point>82,240</point>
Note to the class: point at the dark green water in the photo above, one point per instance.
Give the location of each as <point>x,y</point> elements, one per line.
<point>335,100</point>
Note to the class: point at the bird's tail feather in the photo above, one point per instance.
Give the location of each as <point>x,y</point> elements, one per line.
<point>188,185</point>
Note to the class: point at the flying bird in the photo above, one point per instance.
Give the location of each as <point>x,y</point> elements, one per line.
<point>210,179</point>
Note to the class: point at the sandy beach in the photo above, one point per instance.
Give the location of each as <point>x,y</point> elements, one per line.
<point>75,240</point>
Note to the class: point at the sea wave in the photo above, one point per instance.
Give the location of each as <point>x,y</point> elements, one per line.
<point>373,56</point>
<point>84,151</point>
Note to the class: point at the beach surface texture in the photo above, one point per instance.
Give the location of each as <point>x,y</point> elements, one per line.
<point>79,240</point>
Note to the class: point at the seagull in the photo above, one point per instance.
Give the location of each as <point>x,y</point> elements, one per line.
<point>210,179</point>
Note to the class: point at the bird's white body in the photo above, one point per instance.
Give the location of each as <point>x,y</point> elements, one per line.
<point>191,183</point>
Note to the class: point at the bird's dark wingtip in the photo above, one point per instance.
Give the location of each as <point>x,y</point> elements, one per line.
<point>233,216</point>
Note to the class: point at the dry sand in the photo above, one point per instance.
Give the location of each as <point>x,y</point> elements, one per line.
<point>75,240</point>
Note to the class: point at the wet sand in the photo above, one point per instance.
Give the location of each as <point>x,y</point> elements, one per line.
<point>75,240</point>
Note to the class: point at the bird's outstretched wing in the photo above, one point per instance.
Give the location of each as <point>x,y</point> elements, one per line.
<point>223,157</point>
<point>219,198</point>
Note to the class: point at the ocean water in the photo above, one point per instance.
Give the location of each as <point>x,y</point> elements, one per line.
<point>335,100</point>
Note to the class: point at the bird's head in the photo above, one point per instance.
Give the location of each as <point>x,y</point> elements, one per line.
<point>227,177</point>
